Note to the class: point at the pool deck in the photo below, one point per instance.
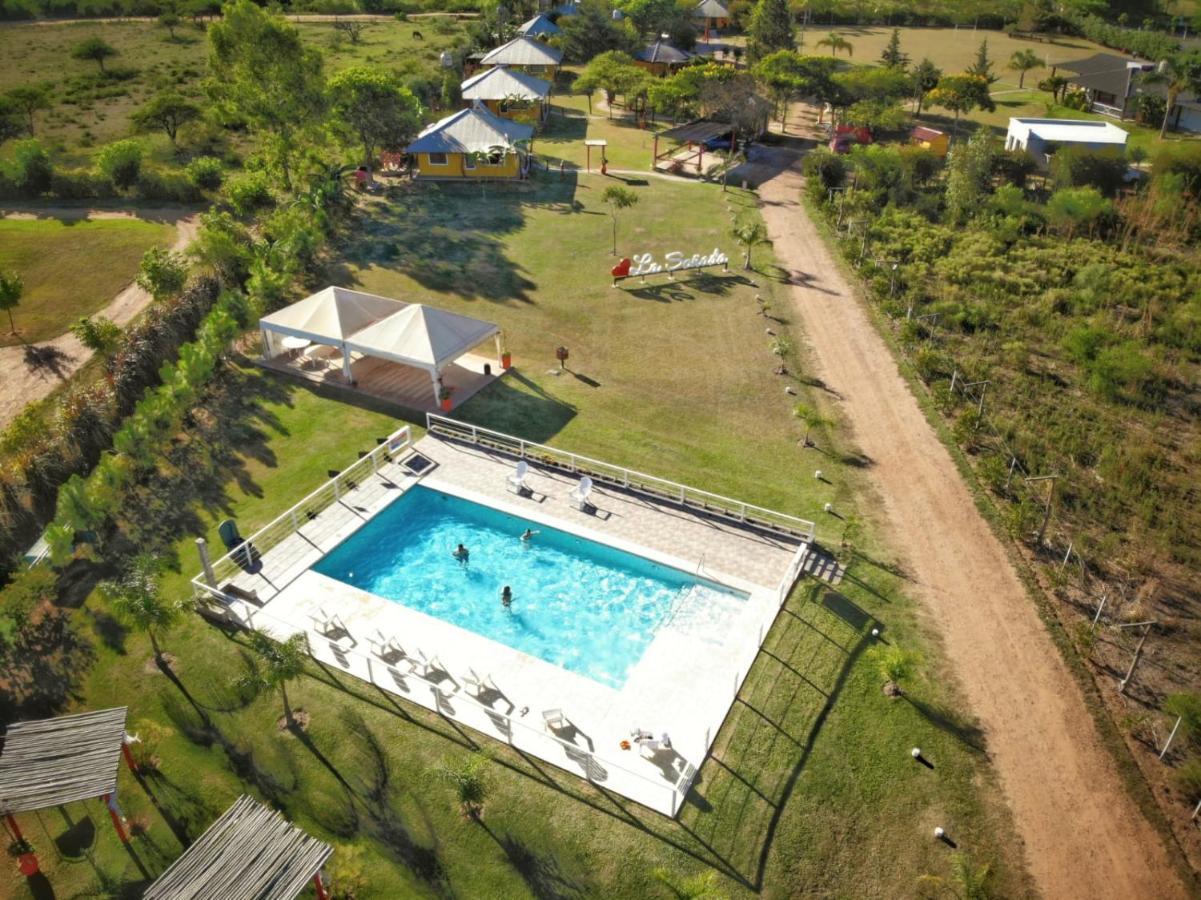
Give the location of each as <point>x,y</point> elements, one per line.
<point>684,683</point>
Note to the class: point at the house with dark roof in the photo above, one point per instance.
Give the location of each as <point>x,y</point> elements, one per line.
<point>1113,85</point>
<point>661,58</point>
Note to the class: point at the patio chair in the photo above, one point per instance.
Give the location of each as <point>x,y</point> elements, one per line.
<point>426,665</point>
<point>480,685</point>
<point>649,749</point>
<point>580,494</point>
<point>386,648</point>
<point>516,481</point>
<point>330,626</point>
<point>554,720</point>
<point>247,555</point>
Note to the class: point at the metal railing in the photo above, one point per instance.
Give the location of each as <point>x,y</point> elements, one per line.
<point>664,796</point>
<point>291,520</point>
<point>791,575</point>
<point>627,479</point>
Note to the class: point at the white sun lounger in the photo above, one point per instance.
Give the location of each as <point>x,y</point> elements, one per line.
<point>479,685</point>
<point>516,481</point>
<point>328,625</point>
<point>581,492</point>
<point>427,664</point>
<point>555,720</point>
<point>386,648</point>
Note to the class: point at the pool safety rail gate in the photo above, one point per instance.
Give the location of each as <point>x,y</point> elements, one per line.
<point>291,520</point>
<point>604,473</point>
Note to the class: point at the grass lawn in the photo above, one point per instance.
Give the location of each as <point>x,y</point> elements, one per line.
<point>91,110</point>
<point>71,269</point>
<point>810,788</point>
<point>570,124</point>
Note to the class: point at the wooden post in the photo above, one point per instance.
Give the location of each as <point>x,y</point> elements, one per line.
<point>14,828</point>
<point>655,153</point>
<point>115,814</point>
<point>133,766</point>
<point>319,887</point>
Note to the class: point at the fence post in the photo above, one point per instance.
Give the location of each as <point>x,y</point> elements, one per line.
<point>1096,618</point>
<point>202,547</point>
<point>954,378</point>
<point>1134,662</point>
<point>337,493</point>
<point>295,524</point>
<point>1167,746</point>
<point>1066,556</point>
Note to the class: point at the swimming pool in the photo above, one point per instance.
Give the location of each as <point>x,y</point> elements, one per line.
<point>584,606</point>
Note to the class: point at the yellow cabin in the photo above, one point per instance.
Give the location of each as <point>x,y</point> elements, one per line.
<point>930,139</point>
<point>473,143</point>
<point>509,94</point>
<point>712,13</point>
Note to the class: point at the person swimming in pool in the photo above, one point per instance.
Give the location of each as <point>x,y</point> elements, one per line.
<point>462,554</point>
<point>528,535</point>
<point>506,597</point>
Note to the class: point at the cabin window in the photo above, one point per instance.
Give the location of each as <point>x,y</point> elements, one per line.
<point>468,162</point>
<point>438,159</point>
<point>495,158</point>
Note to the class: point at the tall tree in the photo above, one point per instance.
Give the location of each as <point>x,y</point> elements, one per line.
<point>771,29</point>
<point>981,67</point>
<point>837,42</point>
<point>1022,62</point>
<point>261,72</point>
<point>165,112</point>
<point>962,93</point>
<point>11,289</point>
<point>787,75</point>
<point>892,55</point>
<point>282,661</point>
<point>925,79</point>
<point>591,31</point>
<point>749,234</point>
<point>29,99</point>
<point>136,600</point>
<point>618,198</point>
<point>1178,74</point>
<point>375,108</point>
<point>97,49</point>
<point>607,72</point>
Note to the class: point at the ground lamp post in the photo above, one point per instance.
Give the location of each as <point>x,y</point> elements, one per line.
<point>561,355</point>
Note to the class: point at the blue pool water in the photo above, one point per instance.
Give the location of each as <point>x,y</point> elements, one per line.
<point>578,604</point>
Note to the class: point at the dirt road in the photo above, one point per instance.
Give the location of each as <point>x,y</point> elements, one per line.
<point>21,383</point>
<point>1083,835</point>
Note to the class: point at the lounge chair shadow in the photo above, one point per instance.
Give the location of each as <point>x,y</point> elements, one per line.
<point>399,680</point>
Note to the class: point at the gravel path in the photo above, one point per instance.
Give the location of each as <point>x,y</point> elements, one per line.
<point>1083,835</point>
<point>21,383</point>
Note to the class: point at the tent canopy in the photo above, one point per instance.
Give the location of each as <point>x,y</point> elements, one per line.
<point>331,315</point>
<point>422,336</point>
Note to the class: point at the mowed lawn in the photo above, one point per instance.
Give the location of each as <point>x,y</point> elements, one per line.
<point>810,789</point>
<point>71,269</point>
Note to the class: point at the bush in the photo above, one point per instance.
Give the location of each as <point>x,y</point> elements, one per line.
<point>162,273</point>
<point>121,163</point>
<point>1179,158</point>
<point>1188,780</point>
<point>1072,210</point>
<point>1079,167</point>
<point>79,184</point>
<point>1118,368</point>
<point>247,192</point>
<point>829,170</point>
<point>166,187</point>
<point>206,172</point>
<point>1014,167</point>
<point>29,169</point>
<point>1150,108</point>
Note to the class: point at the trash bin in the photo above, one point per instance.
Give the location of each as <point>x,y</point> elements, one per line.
<point>487,368</point>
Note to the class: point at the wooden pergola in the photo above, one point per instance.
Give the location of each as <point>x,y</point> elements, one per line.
<point>250,853</point>
<point>49,762</point>
<point>693,135</point>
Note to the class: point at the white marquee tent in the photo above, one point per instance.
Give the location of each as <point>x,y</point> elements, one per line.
<point>411,334</point>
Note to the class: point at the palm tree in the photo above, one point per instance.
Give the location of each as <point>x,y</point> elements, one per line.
<point>812,418</point>
<point>470,782</point>
<point>1022,62</point>
<point>837,42</point>
<point>1178,74</point>
<point>281,662</point>
<point>135,599</point>
<point>618,198</point>
<point>966,882</point>
<point>11,288</point>
<point>749,234</point>
<point>895,666</point>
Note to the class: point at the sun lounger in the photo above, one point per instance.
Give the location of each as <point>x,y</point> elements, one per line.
<point>580,494</point>
<point>330,626</point>
<point>426,665</point>
<point>386,648</point>
<point>516,481</point>
<point>480,685</point>
<point>232,590</point>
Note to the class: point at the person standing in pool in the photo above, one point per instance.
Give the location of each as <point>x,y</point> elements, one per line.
<point>506,597</point>
<point>463,555</point>
<point>528,535</point>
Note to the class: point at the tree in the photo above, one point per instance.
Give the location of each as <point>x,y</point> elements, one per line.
<point>28,99</point>
<point>100,335</point>
<point>652,18</point>
<point>749,234</point>
<point>260,72</point>
<point>470,781</point>
<point>895,665</point>
<point>812,418</point>
<point>162,273</point>
<point>892,56</point>
<point>982,66</point>
<point>1022,62</point>
<point>618,198</point>
<point>1178,74</point>
<point>836,42</point>
<point>609,72</point>
<point>771,29</point>
<point>787,75</point>
<point>11,288</point>
<point>135,599</point>
<point>925,78</point>
<point>121,163</point>
<point>1056,85</point>
<point>969,168</point>
<point>170,20</point>
<point>96,49</point>
<point>591,32</point>
<point>960,94</point>
<point>374,107</point>
<point>281,662</point>
<point>166,112</point>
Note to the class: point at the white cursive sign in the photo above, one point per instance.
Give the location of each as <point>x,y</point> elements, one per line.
<point>645,264</point>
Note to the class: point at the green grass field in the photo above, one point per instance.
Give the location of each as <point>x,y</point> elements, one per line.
<point>90,111</point>
<point>809,790</point>
<point>71,268</point>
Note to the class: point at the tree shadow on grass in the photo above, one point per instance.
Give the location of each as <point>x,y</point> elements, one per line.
<point>958,726</point>
<point>540,872</point>
<point>517,405</point>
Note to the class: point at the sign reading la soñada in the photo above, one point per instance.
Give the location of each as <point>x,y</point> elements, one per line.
<point>641,265</point>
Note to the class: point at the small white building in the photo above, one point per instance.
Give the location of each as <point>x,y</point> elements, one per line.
<point>1041,137</point>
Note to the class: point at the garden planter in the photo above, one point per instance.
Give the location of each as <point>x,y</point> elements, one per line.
<point>446,404</point>
<point>28,864</point>
<point>506,360</point>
